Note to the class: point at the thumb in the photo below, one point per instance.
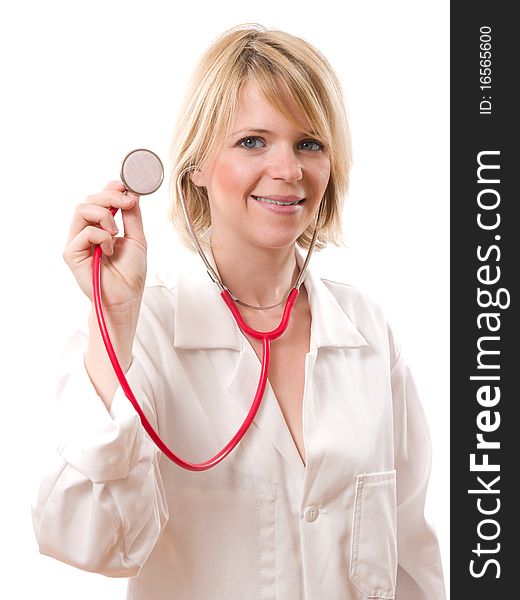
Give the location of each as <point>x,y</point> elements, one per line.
<point>133,221</point>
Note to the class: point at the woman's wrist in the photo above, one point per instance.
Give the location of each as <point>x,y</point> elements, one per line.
<point>97,362</point>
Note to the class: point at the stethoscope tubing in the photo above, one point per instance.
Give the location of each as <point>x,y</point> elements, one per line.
<point>264,336</point>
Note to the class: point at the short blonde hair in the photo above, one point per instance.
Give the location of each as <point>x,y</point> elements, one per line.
<point>270,58</point>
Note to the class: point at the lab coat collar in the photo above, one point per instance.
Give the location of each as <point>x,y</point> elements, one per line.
<point>202,319</point>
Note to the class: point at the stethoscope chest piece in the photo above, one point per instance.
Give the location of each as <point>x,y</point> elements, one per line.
<point>142,172</point>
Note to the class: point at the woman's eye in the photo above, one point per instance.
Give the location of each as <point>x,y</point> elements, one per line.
<point>252,143</point>
<point>311,145</point>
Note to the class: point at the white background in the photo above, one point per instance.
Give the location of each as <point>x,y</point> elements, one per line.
<point>84,83</point>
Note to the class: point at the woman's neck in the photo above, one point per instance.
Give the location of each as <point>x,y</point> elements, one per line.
<point>257,276</point>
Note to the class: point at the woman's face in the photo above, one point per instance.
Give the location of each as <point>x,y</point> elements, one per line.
<point>266,182</point>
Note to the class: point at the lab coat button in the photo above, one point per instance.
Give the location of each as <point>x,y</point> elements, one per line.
<point>311,514</point>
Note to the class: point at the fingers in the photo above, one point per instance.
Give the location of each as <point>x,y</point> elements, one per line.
<point>80,247</point>
<point>91,214</point>
<point>93,223</point>
<point>98,209</point>
<point>111,197</point>
<point>115,185</point>
<point>131,212</point>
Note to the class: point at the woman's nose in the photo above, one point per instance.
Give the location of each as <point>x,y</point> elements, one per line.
<point>285,164</point>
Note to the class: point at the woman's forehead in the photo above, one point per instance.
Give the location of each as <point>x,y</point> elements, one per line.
<point>255,112</point>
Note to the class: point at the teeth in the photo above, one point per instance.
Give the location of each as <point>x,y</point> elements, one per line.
<point>269,201</point>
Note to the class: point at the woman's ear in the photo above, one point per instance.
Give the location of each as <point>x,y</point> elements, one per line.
<point>197,177</point>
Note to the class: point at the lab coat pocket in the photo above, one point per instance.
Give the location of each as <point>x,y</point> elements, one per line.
<point>373,558</point>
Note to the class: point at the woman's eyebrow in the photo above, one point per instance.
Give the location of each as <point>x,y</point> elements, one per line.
<point>261,130</point>
<point>251,130</point>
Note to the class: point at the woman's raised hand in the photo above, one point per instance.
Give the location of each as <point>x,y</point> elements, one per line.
<point>124,258</point>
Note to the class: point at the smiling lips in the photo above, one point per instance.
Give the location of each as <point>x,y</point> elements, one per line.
<point>280,200</point>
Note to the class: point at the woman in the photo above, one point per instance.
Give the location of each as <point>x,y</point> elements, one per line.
<point>324,496</point>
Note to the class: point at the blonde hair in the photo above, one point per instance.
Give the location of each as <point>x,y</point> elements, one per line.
<point>270,58</point>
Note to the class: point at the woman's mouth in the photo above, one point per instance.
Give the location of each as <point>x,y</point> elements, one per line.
<point>279,200</point>
<point>282,205</point>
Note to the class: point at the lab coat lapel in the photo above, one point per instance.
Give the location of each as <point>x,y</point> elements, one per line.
<point>269,419</point>
<point>202,319</point>
<point>331,326</point>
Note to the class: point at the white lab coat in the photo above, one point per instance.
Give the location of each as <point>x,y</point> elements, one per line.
<point>347,526</point>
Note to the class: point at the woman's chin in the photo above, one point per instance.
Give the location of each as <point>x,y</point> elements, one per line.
<point>276,240</point>
<point>264,236</point>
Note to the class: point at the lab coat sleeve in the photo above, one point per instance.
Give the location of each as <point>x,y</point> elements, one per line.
<point>419,575</point>
<point>103,507</point>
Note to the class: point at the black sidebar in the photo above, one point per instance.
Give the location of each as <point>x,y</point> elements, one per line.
<point>485,332</point>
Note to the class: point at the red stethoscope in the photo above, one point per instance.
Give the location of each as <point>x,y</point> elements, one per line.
<point>142,173</point>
